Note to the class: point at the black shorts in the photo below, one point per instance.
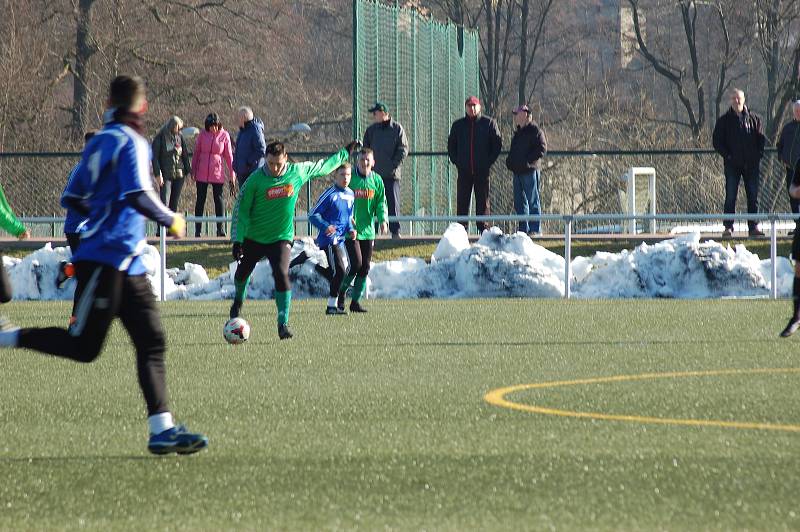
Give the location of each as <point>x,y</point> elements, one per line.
<point>796,246</point>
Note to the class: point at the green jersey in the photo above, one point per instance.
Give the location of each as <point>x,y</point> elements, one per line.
<point>8,220</point>
<point>264,210</point>
<point>370,203</point>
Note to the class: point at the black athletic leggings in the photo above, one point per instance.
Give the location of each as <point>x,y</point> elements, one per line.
<point>6,293</point>
<point>103,293</point>
<point>199,206</point>
<point>276,253</point>
<point>73,241</point>
<point>359,254</point>
<point>335,271</point>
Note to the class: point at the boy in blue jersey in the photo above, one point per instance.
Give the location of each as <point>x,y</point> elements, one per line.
<point>333,217</point>
<point>73,223</point>
<point>112,187</point>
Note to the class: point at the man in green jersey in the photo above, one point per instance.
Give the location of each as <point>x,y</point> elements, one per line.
<point>369,207</point>
<point>11,224</point>
<point>263,223</point>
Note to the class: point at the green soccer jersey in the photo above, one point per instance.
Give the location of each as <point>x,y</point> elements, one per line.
<point>370,203</point>
<point>264,210</point>
<point>8,220</point>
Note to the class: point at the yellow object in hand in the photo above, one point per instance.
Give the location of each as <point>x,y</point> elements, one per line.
<point>178,227</point>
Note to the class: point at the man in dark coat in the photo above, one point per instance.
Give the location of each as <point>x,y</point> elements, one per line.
<point>473,146</point>
<point>528,146</point>
<point>789,153</point>
<point>387,140</point>
<point>250,145</point>
<point>739,139</point>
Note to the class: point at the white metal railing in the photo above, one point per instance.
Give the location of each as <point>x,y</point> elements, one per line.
<point>567,220</point>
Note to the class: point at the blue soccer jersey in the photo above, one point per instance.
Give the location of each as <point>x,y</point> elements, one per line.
<point>115,164</point>
<point>334,207</point>
<point>73,221</point>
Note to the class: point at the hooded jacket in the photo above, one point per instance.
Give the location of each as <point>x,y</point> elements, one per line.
<point>210,150</point>
<point>170,156</point>
<point>250,149</point>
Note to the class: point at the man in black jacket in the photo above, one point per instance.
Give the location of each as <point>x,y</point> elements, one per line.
<point>789,153</point>
<point>528,146</point>
<point>387,140</point>
<point>473,146</point>
<point>739,139</point>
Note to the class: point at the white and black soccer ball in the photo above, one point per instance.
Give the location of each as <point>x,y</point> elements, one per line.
<point>236,331</point>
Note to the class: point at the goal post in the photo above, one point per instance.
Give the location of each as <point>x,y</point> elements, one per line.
<point>641,195</point>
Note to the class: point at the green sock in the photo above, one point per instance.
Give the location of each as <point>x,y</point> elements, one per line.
<point>346,283</point>
<point>358,288</point>
<point>241,289</point>
<point>283,300</point>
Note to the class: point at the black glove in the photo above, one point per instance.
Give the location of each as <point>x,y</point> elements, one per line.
<point>237,252</point>
<point>354,146</point>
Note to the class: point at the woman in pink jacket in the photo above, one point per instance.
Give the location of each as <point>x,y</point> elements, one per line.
<point>213,146</point>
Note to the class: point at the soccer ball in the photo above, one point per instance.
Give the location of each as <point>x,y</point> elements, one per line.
<point>236,331</point>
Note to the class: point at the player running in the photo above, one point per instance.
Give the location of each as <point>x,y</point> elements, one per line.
<point>333,216</point>
<point>370,207</point>
<point>112,187</point>
<point>263,223</point>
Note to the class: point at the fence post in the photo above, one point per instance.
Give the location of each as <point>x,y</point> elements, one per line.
<point>356,47</point>
<point>162,245</point>
<point>773,258</point>
<point>567,256</point>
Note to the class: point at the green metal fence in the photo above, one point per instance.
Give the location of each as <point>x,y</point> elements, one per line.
<point>423,71</point>
<point>687,182</point>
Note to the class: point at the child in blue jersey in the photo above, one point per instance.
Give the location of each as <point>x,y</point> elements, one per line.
<point>112,188</point>
<point>73,224</point>
<point>333,217</point>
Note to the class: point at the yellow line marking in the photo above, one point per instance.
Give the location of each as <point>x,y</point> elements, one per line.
<point>498,398</point>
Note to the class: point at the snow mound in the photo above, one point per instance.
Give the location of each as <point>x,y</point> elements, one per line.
<point>498,265</point>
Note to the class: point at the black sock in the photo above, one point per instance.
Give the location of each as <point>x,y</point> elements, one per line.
<point>299,259</point>
<point>796,297</point>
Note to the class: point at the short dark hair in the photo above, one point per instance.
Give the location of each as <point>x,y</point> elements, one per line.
<point>124,90</point>
<point>366,151</point>
<point>276,149</point>
<point>212,120</point>
<point>89,134</point>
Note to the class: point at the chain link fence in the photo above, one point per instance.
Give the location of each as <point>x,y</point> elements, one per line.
<point>687,182</point>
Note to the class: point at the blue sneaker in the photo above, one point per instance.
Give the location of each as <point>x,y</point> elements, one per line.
<point>177,440</point>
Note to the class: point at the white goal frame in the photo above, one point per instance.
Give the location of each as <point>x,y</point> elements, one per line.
<point>630,177</point>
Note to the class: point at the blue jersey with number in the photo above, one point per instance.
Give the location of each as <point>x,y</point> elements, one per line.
<point>115,163</point>
<point>334,207</point>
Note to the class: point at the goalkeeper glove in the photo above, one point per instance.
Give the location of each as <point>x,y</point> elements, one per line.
<point>178,227</point>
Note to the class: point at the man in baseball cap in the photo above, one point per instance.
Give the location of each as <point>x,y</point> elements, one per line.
<point>528,146</point>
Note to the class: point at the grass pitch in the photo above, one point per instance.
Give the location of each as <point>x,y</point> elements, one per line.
<point>379,421</point>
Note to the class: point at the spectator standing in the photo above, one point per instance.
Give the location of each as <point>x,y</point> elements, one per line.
<point>473,146</point>
<point>789,153</point>
<point>250,145</point>
<point>212,148</point>
<point>528,146</point>
<point>170,161</point>
<point>389,144</point>
<point>739,139</point>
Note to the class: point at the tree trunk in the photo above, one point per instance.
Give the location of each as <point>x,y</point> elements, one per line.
<point>522,90</point>
<point>84,49</point>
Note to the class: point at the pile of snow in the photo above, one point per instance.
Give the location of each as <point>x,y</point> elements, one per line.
<point>497,265</point>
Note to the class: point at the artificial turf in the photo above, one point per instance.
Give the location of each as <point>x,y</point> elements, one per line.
<point>379,421</point>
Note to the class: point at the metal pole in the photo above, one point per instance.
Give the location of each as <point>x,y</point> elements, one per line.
<point>432,126</point>
<point>415,190</point>
<point>162,246</point>
<point>376,17</point>
<point>356,47</point>
<point>449,110</point>
<point>567,256</point>
<point>773,259</point>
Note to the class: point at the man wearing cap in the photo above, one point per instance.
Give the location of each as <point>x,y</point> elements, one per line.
<point>473,146</point>
<point>387,140</point>
<point>528,146</point>
<point>789,152</point>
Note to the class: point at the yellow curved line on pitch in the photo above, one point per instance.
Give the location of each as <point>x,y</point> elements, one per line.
<point>497,398</point>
